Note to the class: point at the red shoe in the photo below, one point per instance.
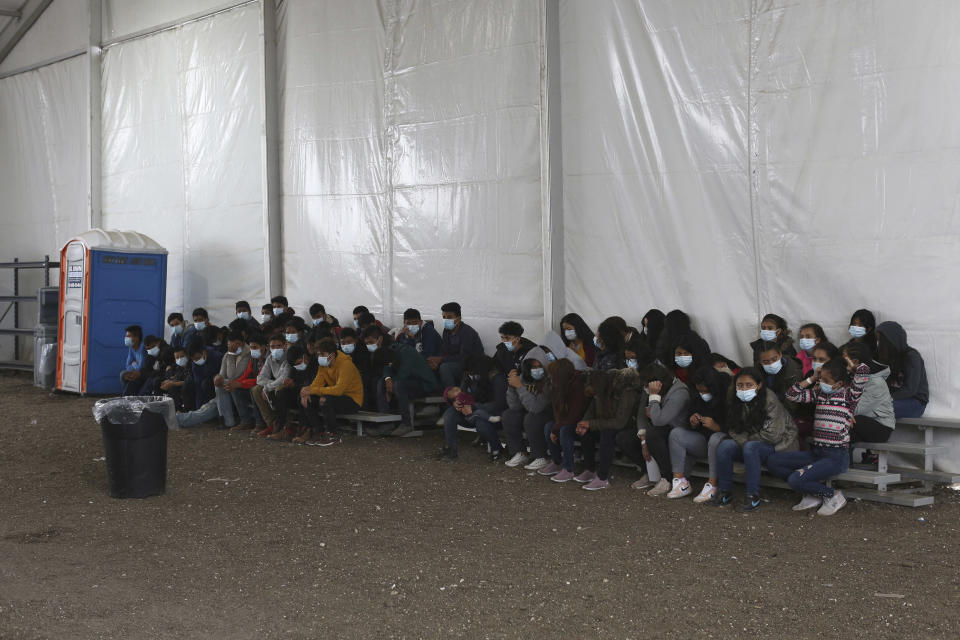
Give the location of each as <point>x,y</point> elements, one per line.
<point>266,432</point>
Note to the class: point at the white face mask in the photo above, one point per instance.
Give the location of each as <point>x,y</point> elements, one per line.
<point>277,354</point>
<point>277,311</point>
<point>348,348</point>
<point>413,329</point>
<point>255,354</point>
<point>200,326</point>
<point>182,362</point>
<point>570,334</point>
<point>153,351</point>
<point>243,315</point>
<point>292,337</point>
<point>317,321</point>
<point>707,397</point>
<point>768,335</point>
<point>265,318</point>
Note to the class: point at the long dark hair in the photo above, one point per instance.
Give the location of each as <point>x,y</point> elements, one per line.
<point>717,384</point>
<point>562,376</point>
<point>584,334</point>
<point>611,334</point>
<point>485,368</point>
<point>657,372</point>
<point>655,319</point>
<point>676,324</point>
<point>747,417</point>
<point>869,322</point>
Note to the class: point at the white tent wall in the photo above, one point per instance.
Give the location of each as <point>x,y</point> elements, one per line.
<point>182,160</point>
<point>124,17</point>
<point>411,158</point>
<point>43,176</point>
<point>60,29</point>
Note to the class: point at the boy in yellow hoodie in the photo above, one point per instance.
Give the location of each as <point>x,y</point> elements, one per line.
<point>337,390</point>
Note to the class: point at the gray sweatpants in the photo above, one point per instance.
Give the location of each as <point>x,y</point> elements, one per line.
<point>687,446</point>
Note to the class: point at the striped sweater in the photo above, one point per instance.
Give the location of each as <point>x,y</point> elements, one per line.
<point>834,413</point>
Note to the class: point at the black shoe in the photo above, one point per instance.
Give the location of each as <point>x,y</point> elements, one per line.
<point>721,499</point>
<point>496,456</point>
<point>750,503</point>
<point>869,457</point>
<point>447,454</point>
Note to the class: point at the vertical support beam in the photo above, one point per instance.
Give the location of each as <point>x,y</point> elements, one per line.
<point>270,149</point>
<point>16,311</point>
<point>551,164</point>
<point>94,58</point>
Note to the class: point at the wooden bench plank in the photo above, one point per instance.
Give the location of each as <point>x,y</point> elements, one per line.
<point>918,448</point>
<point>370,416</point>
<point>902,498</point>
<point>934,477</point>
<point>939,423</point>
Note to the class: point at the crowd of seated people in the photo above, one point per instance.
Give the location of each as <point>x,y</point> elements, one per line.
<point>655,392</point>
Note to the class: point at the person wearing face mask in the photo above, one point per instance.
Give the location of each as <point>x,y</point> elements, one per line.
<point>201,319</point>
<point>782,373</point>
<point>863,328</point>
<point>420,334</point>
<point>636,354</point>
<point>809,336</point>
<point>174,382</point>
<point>152,369</point>
<point>459,341</point>
<point>301,370</point>
<point>180,334</point>
<point>336,390</point>
<point>836,396</point>
<point>609,344</point>
<point>132,378</point>
<point>578,337</point>
<point>405,377</point>
<point>318,314</point>
<point>274,376</point>
<point>614,397</point>
<point>245,315</point>
<point>232,400</point>
<point>282,314</point>
<point>652,326</point>
<point>376,343</point>
<point>248,379</point>
<point>528,411</point>
<point>773,328</point>
<point>908,374</point>
<point>700,438</point>
<point>758,426</point>
<point>664,406</point>
<point>205,365</point>
<point>512,348</point>
<point>690,353</point>
<point>875,415</point>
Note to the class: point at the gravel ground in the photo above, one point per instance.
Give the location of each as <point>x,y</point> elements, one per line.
<point>374,539</point>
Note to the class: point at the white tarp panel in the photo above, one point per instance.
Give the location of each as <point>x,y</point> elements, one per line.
<point>44,175</point>
<point>123,17</point>
<point>60,29</point>
<point>411,158</point>
<point>182,159</point>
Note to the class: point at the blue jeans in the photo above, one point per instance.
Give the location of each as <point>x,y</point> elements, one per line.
<point>805,471</point>
<point>754,455</point>
<point>478,420</point>
<point>561,452</point>
<point>450,374</point>
<point>908,408</point>
<point>205,413</point>
<point>227,401</point>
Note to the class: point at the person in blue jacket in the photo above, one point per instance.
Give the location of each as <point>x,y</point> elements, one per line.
<point>180,333</point>
<point>459,341</point>
<point>206,364</point>
<point>420,335</point>
<point>132,378</point>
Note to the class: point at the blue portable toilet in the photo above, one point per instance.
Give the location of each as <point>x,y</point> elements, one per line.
<point>109,280</point>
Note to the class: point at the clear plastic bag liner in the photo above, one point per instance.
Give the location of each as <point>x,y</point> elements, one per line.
<point>127,410</point>
<point>48,358</point>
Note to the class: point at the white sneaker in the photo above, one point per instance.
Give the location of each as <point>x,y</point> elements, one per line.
<point>808,502</point>
<point>706,494</point>
<point>537,464</point>
<point>517,460</point>
<point>681,488</point>
<point>662,487</point>
<point>832,505</point>
<point>642,483</point>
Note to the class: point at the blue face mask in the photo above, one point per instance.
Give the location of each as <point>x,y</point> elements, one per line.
<point>413,329</point>
<point>154,352</point>
<point>570,334</point>
<point>300,367</point>
<point>746,395</point>
<point>707,397</point>
<point>773,369</point>
<point>277,354</point>
<point>265,318</point>
<point>323,361</point>
<point>632,363</point>
<point>816,365</point>
<point>857,332</point>
<point>243,315</point>
<point>356,323</point>
<point>596,342</point>
<point>202,361</point>
<point>508,345</point>
<point>826,388</point>
<point>683,361</point>
<point>348,348</point>
<point>550,357</point>
<point>449,324</point>
<point>372,347</point>
<point>292,337</point>
<point>768,335</point>
<point>807,344</point>
<point>317,321</point>
<point>177,329</point>
<point>255,354</point>
<point>277,311</point>
<point>128,341</point>
<point>182,362</point>
<point>537,373</point>
<point>200,326</point>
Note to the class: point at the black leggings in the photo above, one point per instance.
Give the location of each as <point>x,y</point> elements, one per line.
<point>866,429</point>
<point>607,439</point>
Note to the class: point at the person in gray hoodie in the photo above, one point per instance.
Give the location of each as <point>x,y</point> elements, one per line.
<point>232,399</point>
<point>274,375</point>
<point>908,375</point>
<point>528,411</point>
<point>875,419</point>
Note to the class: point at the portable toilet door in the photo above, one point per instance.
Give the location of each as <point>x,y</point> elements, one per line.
<point>108,280</point>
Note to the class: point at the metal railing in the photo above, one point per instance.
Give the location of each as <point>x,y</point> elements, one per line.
<point>14,305</point>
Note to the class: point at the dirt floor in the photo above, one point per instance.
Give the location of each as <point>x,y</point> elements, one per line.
<point>374,539</point>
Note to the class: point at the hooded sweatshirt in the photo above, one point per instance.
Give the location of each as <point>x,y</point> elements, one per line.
<point>341,378</point>
<point>233,367</point>
<point>876,402</point>
<point>274,372</point>
<point>670,410</point>
<point>527,396</point>
<point>778,429</point>
<point>509,360</point>
<point>912,381</point>
<point>626,394</point>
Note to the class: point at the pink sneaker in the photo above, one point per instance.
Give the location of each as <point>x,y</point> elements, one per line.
<point>585,477</point>
<point>551,469</point>
<point>596,484</point>
<point>563,476</point>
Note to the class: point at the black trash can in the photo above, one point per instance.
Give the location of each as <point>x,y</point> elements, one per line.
<point>135,441</point>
